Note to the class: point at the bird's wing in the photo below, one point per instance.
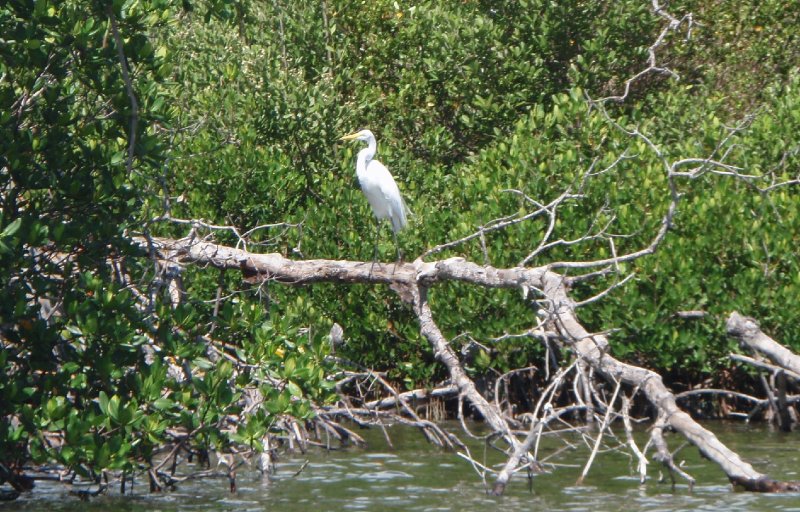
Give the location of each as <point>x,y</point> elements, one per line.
<point>380,175</point>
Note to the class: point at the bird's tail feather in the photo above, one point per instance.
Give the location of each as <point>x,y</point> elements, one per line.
<point>399,221</point>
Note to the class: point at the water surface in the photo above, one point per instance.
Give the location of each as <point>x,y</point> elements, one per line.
<point>415,476</point>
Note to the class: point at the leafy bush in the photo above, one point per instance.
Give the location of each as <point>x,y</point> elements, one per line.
<point>476,106</point>
<point>470,99</point>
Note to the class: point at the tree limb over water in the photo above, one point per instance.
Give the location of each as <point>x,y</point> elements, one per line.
<point>750,335</point>
<point>785,364</point>
<point>412,280</point>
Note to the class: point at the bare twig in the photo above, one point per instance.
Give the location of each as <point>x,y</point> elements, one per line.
<point>672,25</point>
<point>664,456</point>
<point>641,465</point>
<point>600,433</point>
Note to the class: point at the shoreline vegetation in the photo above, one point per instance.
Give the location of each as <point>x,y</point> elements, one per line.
<point>187,262</point>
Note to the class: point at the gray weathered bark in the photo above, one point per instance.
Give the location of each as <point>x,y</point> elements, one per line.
<point>786,364</point>
<point>749,334</point>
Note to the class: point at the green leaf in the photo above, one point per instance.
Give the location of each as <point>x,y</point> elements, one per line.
<point>294,389</point>
<point>12,228</point>
<point>102,399</point>
<point>163,404</point>
<point>118,157</point>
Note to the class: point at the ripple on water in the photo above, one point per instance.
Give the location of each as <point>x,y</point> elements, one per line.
<point>627,478</point>
<point>414,463</point>
<point>415,478</point>
<point>360,464</point>
<point>418,489</point>
<point>383,476</point>
<point>380,456</point>
<point>328,466</point>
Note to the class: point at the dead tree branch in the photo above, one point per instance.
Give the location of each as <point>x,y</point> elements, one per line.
<point>759,363</point>
<point>663,454</point>
<point>786,364</point>
<point>411,282</point>
<point>672,25</point>
<point>750,335</point>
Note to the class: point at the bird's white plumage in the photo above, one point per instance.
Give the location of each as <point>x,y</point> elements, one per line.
<point>378,184</point>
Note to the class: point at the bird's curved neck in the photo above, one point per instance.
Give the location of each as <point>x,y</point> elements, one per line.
<point>367,154</point>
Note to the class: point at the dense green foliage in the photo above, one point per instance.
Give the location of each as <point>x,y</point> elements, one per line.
<point>239,105</point>
<point>471,99</point>
<point>67,194</point>
<point>90,369</point>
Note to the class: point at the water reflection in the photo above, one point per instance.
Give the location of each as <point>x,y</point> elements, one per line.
<point>420,477</point>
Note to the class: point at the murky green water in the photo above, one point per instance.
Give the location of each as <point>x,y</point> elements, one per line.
<point>416,476</point>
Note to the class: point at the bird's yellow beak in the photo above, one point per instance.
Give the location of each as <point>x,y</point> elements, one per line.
<point>350,136</point>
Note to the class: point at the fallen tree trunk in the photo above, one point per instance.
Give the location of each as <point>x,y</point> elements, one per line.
<point>593,348</point>
<point>786,364</point>
<point>749,334</point>
<point>411,282</point>
<point>414,396</point>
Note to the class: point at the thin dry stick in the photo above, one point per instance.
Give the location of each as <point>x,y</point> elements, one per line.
<point>664,456</point>
<point>762,364</point>
<point>534,433</point>
<point>641,466</point>
<point>600,434</point>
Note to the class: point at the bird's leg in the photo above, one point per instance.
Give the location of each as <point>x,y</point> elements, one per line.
<point>375,245</point>
<point>397,248</point>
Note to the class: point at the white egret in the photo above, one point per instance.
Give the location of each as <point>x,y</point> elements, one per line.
<point>379,187</point>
